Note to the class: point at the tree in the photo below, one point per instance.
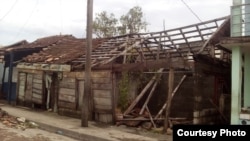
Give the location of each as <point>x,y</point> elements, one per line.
<point>132,22</point>
<point>104,25</point>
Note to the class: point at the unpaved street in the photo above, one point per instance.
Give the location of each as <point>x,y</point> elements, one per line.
<point>32,134</point>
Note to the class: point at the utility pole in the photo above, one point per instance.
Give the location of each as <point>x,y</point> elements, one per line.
<point>87,98</point>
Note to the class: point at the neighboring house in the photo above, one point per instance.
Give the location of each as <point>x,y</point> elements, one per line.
<point>7,60</point>
<point>11,54</point>
<point>239,44</point>
<point>54,78</point>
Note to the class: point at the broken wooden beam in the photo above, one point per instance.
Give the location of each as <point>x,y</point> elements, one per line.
<point>173,93</point>
<point>150,117</point>
<point>148,98</point>
<point>142,93</point>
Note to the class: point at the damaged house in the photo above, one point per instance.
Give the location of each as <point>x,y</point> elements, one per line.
<point>179,73</point>
<point>11,54</point>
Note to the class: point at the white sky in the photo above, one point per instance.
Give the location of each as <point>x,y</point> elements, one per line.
<point>32,19</point>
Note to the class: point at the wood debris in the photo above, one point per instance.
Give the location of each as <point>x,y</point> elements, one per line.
<point>135,116</point>
<point>15,122</point>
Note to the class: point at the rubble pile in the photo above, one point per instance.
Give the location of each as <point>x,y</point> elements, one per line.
<point>15,122</point>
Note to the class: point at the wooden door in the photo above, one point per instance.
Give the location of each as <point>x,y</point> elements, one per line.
<point>28,90</point>
<point>21,86</point>
<point>37,89</point>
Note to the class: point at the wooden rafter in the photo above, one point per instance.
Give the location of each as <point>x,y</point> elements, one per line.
<point>183,42</point>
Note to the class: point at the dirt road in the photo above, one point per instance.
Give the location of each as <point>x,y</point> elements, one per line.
<point>32,134</point>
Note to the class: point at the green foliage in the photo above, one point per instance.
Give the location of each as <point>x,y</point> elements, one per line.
<point>123,91</point>
<point>133,21</point>
<point>106,25</point>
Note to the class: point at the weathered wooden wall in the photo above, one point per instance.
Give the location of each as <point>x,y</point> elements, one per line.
<point>67,93</point>
<point>71,91</point>
<point>30,88</point>
<point>103,96</point>
<point>37,89</point>
<point>21,86</point>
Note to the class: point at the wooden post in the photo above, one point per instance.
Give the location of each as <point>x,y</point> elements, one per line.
<point>159,48</point>
<point>142,93</point>
<point>56,84</point>
<point>173,93</point>
<point>150,94</point>
<point>9,93</point>
<point>87,98</point>
<point>169,97</point>
<point>4,69</point>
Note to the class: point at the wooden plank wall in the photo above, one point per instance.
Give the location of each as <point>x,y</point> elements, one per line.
<point>24,92</point>
<point>37,89</point>
<point>103,96</point>
<point>21,88</point>
<point>30,86</point>
<point>28,90</point>
<point>71,91</point>
<point>67,93</point>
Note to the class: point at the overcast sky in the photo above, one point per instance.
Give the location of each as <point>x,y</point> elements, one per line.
<point>32,19</point>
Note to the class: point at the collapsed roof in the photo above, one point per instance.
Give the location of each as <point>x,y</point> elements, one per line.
<point>180,43</point>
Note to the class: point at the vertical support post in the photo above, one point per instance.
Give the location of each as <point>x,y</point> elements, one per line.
<point>159,48</point>
<point>113,98</point>
<point>4,69</point>
<point>10,76</point>
<point>87,98</point>
<point>197,90</point>
<point>169,97</point>
<point>56,88</point>
<point>246,96</point>
<point>236,84</point>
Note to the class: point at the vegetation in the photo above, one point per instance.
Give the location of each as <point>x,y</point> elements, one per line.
<point>106,25</point>
<point>123,100</point>
<point>132,22</point>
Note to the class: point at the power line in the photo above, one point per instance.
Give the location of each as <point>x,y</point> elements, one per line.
<point>191,10</point>
<point>11,8</point>
<point>194,13</point>
<point>33,10</point>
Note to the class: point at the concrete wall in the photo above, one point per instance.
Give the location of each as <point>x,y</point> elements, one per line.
<point>207,92</point>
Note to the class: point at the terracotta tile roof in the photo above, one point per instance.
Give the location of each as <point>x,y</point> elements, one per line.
<point>39,43</point>
<point>61,52</point>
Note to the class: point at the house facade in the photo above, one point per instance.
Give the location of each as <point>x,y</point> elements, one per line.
<point>53,79</point>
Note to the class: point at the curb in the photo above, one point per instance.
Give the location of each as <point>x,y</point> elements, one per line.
<point>68,133</point>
